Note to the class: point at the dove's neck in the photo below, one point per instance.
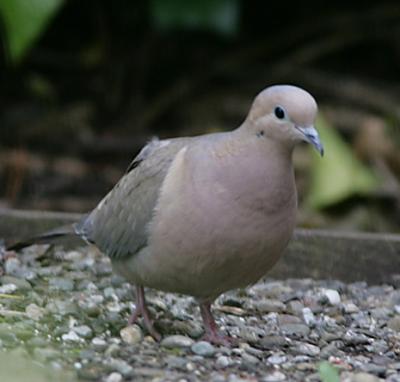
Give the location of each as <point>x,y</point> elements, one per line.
<point>255,171</point>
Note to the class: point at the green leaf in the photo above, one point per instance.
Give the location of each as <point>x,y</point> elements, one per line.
<point>16,368</point>
<point>221,16</point>
<point>328,373</point>
<point>24,21</point>
<point>339,174</point>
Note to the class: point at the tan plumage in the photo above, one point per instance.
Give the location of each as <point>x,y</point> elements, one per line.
<point>206,214</point>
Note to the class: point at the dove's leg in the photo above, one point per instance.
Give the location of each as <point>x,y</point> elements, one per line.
<point>212,333</point>
<point>141,310</point>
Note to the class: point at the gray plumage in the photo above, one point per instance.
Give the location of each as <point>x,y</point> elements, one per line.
<point>119,224</point>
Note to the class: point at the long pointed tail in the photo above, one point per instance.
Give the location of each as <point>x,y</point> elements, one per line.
<point>45,238</point>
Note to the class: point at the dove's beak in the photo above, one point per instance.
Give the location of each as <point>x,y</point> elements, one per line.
<point>311,136</point>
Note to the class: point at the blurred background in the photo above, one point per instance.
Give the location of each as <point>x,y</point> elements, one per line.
<point>85,84</point>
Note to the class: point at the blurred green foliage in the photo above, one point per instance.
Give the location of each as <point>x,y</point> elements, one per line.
<point>16,368</point>
<point>340,175</point>
<point>221,16</point>
<point>24,21</point>
<point>328,373</point>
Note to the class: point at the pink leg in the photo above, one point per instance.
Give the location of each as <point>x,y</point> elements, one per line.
<point>212,333</point>
<point>141,310</point>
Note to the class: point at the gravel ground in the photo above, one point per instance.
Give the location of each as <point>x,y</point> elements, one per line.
<point>67,311</point>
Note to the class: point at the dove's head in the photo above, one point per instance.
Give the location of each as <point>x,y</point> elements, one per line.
<point>286,114</point>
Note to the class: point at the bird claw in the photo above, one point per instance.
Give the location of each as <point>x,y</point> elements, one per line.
<point>142,311</point>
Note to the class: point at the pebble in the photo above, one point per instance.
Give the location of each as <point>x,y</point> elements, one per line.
<point>12,266</point>
<point>277,359</point>
<point>223,361</point>
<point>120,366</point>
<point>295,307</point>
<point>8,288</point>
<point>308,317</point>
<point>21,284</point>
<point>61,283</point>
<point>63,307</point>
<point>275,376</point>
<point>393,378</point>
<point>131,334</point>
<point>112,350</point>
<point>332,296</point>
<point>71,336</point>
<point>307,349</point>
<point>251,359</point>
<point>114,377</point>
<point>90,307</point>
<point>175,362</point>
<point>394,323</point>
<point>300,330</point>
<point>237,378</point>
<point>297,324</point>
<point>83,331</point>
<point>329,350</point>
<point>381,313</point>
<point>361,377</point>
<point>374,369</point>
<point>352,338</point>
<point>274,342</point>
<point>268,305</point>
<point>176,341</point>
<point>203,348</point>
<point>34,312</point>
<point>99,343</point>
<point>109,293</point>
<point>114,307</point>
<point>350,307</point>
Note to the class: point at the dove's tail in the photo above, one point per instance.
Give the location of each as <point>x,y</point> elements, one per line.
<point>48,237</point>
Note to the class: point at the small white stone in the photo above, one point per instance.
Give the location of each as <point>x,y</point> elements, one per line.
<point>131,334</point>
<point>34,312</point>
<point>203,348</point>
<point>97,298</point>
<point>72,256</point>
<point>91,287</point>
<point>275,376</point>
<point>114,307</point>
<point>250,358</point>
<point>109,293</point>
<point>99,343</point>
<point>8,288</point>
<point>350,307</point>
<point>277,359</point>
<point>12,265</point>
<point>114,377</point>
<point>177,341</point>
<point>120,366</point>
<point>223,361</point>
<point>308,316</point>
<point>332,296</point>
<point>71,336</point>
<point>83,331</point>
<point>308,349</point>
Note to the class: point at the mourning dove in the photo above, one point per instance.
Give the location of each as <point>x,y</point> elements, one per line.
<point>206,214</point>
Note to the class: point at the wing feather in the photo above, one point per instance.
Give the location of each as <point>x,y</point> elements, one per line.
<point>118,225</point>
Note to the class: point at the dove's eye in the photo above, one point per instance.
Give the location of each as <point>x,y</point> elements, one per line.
<point>279,112</point>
